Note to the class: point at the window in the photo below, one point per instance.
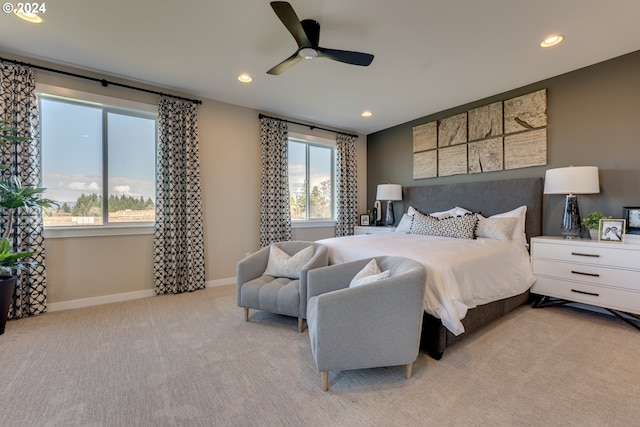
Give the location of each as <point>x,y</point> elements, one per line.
<point>311,179</point>
<point>98,162</point>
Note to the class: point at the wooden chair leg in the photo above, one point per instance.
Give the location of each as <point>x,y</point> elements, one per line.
<point>325,380</point>
<point>408,369</point>
<point>300,324</point>
<point>246,314</point>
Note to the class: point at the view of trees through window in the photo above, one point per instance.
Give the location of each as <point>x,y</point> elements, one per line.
<point>311,186</point>
<point>92,154</point>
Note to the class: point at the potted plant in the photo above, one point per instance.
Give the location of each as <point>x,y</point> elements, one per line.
<point>592,223</point>
<point>13,196</point>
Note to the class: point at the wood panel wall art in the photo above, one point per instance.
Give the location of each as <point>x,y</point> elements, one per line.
<point>503,135</point>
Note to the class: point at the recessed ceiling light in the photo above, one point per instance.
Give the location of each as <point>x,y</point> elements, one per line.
<point>245,78</point>
<point>551,41</point>
<point>367,113</point>
<point>34,18</point>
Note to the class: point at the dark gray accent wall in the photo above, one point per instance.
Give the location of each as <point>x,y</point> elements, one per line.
<point>593,120</point>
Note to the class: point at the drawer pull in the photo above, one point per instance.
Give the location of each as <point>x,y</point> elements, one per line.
<point>585,274</point>
<point>589,255</point>
<point>593,294</point>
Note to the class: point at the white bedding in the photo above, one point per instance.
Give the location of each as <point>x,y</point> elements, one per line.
<point>461,273</point>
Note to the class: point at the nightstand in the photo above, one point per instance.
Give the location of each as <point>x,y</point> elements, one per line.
<point>362,229</point>
<point>602,274</point>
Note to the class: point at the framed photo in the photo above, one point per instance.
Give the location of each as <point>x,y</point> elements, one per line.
<point>364,219</point>
<point>632,216</point>
<point>611,230</point>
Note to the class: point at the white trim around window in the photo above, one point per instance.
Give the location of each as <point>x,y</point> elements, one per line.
<point>98,231</point>
<point>112,229</point>
<point>312,223</point>
<point>92,98</point>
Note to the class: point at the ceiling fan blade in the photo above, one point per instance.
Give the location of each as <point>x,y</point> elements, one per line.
<point>346,56</point>
<point>285,65</point>
<point>290,20</point>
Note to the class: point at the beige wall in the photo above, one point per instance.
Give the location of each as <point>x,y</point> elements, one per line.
<point>229,138</point>
<point>91,267</point>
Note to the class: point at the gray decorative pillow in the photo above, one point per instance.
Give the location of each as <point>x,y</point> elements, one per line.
<point>496,228</point>
<point>281,264</point>
<point>519,230</point>
<point>459,227</point>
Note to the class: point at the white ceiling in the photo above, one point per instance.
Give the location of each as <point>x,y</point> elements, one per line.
<point>430,55</point>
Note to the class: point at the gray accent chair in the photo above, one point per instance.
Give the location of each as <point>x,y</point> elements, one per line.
<point>372,325</point>
<point>279,295</point>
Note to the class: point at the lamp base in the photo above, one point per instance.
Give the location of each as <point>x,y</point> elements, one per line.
<point>390,217</point>
<point>571,225</point>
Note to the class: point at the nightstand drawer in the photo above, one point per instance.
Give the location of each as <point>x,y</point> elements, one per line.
<point>587,273</point>
<point>616,299</point>
<point>588,253</point>
<point>362,229</point>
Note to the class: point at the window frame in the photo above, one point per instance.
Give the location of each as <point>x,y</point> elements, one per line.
<point>321,142</point>
<point>107,105</point>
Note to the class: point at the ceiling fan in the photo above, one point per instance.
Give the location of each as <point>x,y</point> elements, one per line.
<point>307,35</point>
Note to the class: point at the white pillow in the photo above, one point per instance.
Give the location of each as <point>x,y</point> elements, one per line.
<point>496,228</point>
<point>405,224</point>
<point>281,264</point>
<point>411,211</point>
<point>518,231</point>
<point>457,211</point>
<point>369,274</point>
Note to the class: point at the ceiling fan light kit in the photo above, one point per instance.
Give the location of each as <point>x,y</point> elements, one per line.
<point>306,33</point>
<point>308,53</point>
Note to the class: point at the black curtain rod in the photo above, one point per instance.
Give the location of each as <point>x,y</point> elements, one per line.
<point>306,125</point>
<point>103,82</point>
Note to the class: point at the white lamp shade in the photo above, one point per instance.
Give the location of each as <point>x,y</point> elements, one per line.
<point>572,180</point>
<point>389,192</point>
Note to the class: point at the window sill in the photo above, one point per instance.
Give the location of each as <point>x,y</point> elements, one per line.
<point>313,224</point>
<point>98,231</point>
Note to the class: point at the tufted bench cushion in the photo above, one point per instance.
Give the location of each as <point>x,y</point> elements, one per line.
<point>276,295</point>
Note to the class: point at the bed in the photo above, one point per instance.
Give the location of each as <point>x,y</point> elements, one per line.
<point>491,279</point>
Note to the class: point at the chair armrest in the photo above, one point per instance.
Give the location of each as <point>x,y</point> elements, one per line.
<point>319,259</point>
<point>333,277</point>
<point>251,268</point>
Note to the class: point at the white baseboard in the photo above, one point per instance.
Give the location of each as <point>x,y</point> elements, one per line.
<point>107,299</point>
<point>221,282</point>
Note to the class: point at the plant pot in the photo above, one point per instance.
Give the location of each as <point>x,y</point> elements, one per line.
<point>593,234</point>
<point>7,286</point>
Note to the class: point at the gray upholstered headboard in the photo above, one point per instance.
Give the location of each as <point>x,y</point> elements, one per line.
<point>488,198</point>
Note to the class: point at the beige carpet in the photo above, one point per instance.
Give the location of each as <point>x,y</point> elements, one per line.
<point>191,360</point>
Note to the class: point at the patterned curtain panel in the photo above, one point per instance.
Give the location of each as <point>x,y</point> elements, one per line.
<point>275,213</point>
<point>18,102</point>
<point>347,174</point>
<point>178,243</point>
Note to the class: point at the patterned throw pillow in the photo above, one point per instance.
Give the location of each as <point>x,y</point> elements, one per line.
<point>281,264</point>
<point>459,227</point>
<point>496,228</point>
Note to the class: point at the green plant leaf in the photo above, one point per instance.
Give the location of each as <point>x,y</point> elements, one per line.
<point>13,196</point>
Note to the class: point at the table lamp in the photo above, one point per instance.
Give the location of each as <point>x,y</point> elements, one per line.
<point>571,181</point>
<point>389,192</point>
